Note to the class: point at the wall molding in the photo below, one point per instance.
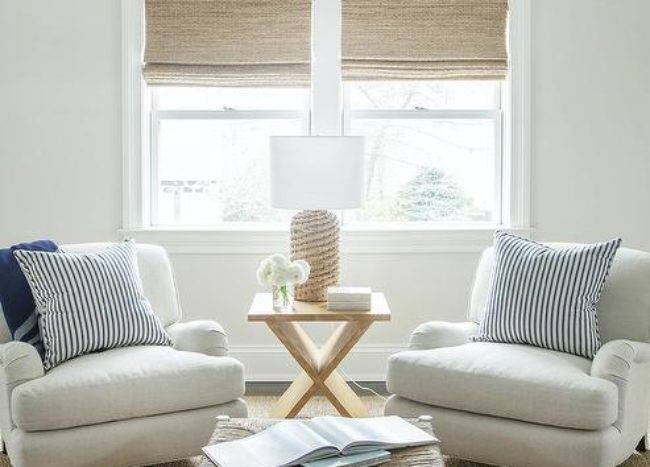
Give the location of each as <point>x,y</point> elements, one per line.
<point>264,363</point>
<point>516,170</point>
<point>132,120</point>
<point>362,241</point>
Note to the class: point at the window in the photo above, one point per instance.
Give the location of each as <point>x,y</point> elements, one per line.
<point>433,150</point>
<point>439,153</point>
<point>210,152</point>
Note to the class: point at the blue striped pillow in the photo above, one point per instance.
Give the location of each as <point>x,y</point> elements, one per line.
<point>90,301</point>
<point>546,296</point>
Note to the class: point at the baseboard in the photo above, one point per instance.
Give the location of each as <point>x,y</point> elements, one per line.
<point>272,363</point>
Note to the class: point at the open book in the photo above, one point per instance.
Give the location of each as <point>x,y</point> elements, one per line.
<point>294,442</point>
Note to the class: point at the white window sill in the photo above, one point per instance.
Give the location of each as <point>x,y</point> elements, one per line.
<point>399,239</point>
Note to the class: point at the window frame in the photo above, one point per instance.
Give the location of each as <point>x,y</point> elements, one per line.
<point>495,115</point>
<point>327,117</point>
<point>158,115</point>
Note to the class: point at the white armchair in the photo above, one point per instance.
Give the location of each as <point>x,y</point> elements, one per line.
<point>127,406</point>
<point>522,405</point>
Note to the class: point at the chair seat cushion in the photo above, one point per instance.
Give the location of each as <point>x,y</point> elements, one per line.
<point>125,383</point>
<point>506,380</point>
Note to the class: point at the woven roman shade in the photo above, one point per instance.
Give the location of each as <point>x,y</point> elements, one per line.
<point>424,39</point>
<point>227,42</point>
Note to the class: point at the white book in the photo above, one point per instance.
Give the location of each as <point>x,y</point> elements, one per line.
<point>294,442</point>
<point>349,302</point>
<point>347,307</point>
<point>349,294</point>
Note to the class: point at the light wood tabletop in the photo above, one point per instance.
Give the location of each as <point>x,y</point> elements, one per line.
<point>319,374</point>
<point>262,310</point>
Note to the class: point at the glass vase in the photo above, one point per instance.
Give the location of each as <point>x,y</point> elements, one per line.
<point>282,298</point>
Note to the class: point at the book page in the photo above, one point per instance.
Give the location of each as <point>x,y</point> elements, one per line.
<point>357,435</point>
<point>285,443</point>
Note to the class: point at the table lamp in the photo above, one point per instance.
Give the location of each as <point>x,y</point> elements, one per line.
<point>314,174</point>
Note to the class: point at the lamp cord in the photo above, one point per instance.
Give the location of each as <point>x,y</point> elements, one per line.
<point>347,378</point>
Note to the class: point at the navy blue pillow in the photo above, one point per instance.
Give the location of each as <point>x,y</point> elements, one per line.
<point>16,297</point>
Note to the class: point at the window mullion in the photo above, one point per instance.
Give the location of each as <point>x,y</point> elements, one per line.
<point>498,168</point>
<point>153,167</point>
<point>326,92</point>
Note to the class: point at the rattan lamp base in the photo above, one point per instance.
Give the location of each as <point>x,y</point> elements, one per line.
<point>315,238</point>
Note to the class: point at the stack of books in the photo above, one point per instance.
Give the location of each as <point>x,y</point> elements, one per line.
<point>349,298</point>
<point>366,459</point>
<point>321,442</point>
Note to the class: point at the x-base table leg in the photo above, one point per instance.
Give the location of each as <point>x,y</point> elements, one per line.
<point>319,368</point>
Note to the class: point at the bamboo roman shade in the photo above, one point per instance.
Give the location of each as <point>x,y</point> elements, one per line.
<point>424,39</point>
<point>227,42</point>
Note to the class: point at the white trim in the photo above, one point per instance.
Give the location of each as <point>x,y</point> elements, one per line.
<point>326,81</point>
<point>353,241</point>
<point>132,89</point>
<point>517,124</point>
<point>226,114</point>
<point>153,168</point>
<point>430,114</point>
<point>273,362</point>
<point>500,154</point>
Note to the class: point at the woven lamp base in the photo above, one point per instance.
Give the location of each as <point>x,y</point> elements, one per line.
<point>315,238</point>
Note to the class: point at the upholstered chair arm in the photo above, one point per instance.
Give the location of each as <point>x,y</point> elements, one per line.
<point>203,336</point>
<point>435,334</point>
<point>626,364</point>
<point>19,363</point>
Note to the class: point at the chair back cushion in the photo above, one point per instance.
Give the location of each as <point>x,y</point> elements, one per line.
<point>624,306</point>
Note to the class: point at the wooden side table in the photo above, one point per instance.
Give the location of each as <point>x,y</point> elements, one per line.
<point>318,364</point>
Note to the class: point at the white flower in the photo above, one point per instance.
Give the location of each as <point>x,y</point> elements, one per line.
<point>296,274</point>
<point>264,272</point>
<point>280,275</point>
<point>277,270</point>
<point>299,271</point>
<point>304,265</point>
<point>278,260</point>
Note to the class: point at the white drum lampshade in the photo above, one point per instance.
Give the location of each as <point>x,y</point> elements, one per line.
<point>314,174</point>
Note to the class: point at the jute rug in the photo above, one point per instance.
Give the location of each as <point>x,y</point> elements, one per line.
<point>258,406</point>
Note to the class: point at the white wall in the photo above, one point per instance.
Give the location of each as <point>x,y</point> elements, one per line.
<point>591,120</point>
<point>60,171</point>
<point>419,288</point>
<point>60,141</point>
